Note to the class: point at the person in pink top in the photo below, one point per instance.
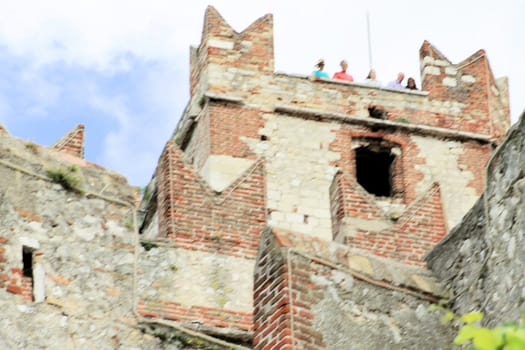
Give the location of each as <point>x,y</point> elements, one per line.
<point>342,75</point>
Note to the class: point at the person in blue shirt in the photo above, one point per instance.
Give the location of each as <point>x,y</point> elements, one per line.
<point>318,73</point>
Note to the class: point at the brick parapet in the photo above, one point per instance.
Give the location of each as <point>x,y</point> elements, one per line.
<point>470,82</point>
<point>462,96</point>
<point>351,199</point>
<point>198,218</point>
<point>272,320</point>
<point>413,235</point>
<point>245,53</point>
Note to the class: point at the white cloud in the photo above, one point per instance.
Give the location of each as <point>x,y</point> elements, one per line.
<point>143,126</point>
<point>93,33</point>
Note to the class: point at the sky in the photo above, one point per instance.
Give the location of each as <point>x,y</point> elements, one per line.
<point>121,67</point>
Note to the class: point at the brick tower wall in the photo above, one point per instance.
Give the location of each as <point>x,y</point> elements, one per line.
<point>199,268</point>
<point>307,130</point>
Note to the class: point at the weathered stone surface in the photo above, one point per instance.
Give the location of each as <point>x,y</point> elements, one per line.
<point>82,256</point>
<point>369,317</point>
<point>483,259</point>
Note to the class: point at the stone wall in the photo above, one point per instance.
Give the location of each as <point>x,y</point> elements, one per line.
<point>66,258</point>
<point>196,288</point>
<point>303,155</point>
<point>483,259</point>
<point>314,295</point>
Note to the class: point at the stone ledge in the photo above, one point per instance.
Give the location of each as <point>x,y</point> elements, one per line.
<point>224,98</point>
<point>309,113</point>
<point>384,271</point>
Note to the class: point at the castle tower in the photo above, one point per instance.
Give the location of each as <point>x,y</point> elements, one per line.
<point>257,148</point>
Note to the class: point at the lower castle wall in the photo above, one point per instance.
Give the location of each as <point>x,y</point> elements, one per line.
<point>194,278</point>
<point>83,259</point>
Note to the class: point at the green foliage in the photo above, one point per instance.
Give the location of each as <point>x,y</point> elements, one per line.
<point>32,147</point>
<point>129,224</point>
<point>509,336</point>
<point>202,101</point>
<point>146,194</point>
<point>67,178</point>
<point>449,316</point>
<point>402,120</point>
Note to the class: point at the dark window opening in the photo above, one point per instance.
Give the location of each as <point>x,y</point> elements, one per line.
<point>264,138</point>
<point>377,112</point>
<point>374,170</point>
<point>27,259</point>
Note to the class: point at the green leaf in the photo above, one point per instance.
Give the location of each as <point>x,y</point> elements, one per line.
<point>515,339</point>
<point>434,307</point>
<point>472,317</point>
<point>465,334</point>
<point>449,316</point>
<point>486,339</point>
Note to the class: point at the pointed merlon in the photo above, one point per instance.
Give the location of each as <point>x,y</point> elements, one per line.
<point>429,50</point>
<point>215,25</point>
<point>72,142</point>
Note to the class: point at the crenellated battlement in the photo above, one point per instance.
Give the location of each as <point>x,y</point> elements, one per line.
<point>471,83</point>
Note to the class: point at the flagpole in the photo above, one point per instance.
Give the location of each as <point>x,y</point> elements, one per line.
<point>369,40</point>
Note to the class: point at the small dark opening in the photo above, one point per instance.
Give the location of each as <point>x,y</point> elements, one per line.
<point>373,170</point>
<point>264,138</point>
<point>27,259</point>
<point>376,112</point>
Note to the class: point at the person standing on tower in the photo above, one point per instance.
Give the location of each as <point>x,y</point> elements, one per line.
<point>342,75</point>
<point>319,73</point>
<point>398,83</point>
